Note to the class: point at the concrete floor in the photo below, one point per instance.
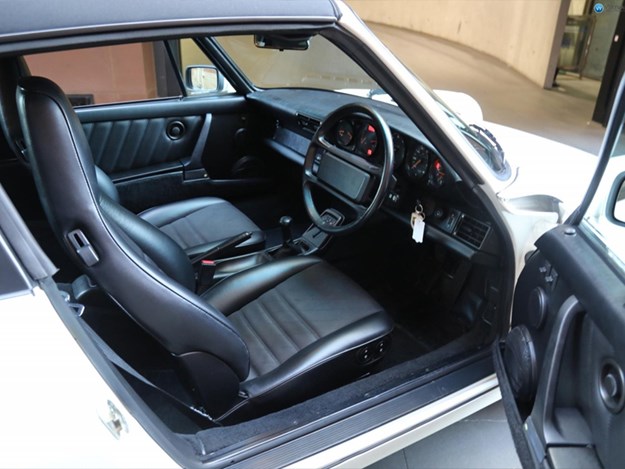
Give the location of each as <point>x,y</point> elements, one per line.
<point>562,113</point>
<point>481,441</point>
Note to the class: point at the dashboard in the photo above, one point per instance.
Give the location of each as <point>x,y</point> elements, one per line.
<point>421,176</point>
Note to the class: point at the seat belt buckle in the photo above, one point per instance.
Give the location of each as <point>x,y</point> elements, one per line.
<point>206,273</point>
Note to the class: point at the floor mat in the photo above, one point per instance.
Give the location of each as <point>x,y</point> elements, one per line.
<point>404,277</point>
<point>404,346</point>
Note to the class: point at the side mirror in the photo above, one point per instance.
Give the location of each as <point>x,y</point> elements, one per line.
<point>617,200</point>
<point>202,79</point>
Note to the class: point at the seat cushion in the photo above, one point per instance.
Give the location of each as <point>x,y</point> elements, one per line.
<point>303,322</point>
<point>199,224</point>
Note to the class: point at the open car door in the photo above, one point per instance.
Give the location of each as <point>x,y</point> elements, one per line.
<point>561,367</point>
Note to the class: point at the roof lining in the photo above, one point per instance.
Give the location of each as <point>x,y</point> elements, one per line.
<point>75,39</point>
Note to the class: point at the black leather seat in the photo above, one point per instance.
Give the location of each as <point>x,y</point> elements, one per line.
<point>198,224</point>
<point>191,223</point>
<point>258,340</point>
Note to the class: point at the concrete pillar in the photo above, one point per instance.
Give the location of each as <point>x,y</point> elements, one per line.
<point>526,35</point>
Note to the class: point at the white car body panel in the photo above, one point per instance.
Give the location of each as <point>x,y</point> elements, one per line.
<point>466,106</point>
<point>543,168</point>
<point>542,171</point>
<point>53,398</point>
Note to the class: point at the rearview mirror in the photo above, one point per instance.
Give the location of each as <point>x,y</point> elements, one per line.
<point>281,42</point>
<point>201,79</point>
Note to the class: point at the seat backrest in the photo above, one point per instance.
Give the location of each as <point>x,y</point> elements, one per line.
<point>145,271</point>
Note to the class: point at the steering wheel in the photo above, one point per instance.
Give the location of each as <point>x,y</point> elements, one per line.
<point>348,177</point>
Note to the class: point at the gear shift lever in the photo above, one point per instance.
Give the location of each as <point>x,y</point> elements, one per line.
<point>287,236</point>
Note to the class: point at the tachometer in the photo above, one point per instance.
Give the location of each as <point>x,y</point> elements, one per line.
<point>344,133</point>
<point>417,162</point>
<point>368,141</point>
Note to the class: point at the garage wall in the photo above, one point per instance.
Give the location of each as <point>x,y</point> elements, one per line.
<point>520,33</point>
<point>110,73</point>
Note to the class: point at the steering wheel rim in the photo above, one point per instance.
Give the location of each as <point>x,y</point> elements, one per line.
<point>319,145</point>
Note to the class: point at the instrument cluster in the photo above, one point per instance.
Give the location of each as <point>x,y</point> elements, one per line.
<point>414,160</point>
<point>358,136</point>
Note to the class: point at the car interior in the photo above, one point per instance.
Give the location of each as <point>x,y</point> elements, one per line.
<point>259,260</point>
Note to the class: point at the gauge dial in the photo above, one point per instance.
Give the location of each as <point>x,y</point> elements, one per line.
<point>368,141</point>
<point>399,149</point>
<point>417,162</point>
<point>344,133</point>
<point>436,175</point>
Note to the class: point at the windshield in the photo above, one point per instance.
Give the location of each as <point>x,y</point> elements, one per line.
<point>324,66</point>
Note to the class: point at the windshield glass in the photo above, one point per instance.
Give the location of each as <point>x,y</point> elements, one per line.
<point>324,66</point>
<point>606,214</point>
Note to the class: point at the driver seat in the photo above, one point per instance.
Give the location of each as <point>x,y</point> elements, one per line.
<point>257,341</point>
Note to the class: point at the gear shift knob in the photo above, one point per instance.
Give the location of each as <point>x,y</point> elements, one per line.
<point>285,225</point>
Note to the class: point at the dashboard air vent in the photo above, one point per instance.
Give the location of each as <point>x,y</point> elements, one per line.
<point>308,123</point>
<point>472,231</point>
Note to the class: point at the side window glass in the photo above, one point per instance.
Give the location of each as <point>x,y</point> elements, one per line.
<point>109,74</point>
<point>200,76</point>
<point>605,217</point>
<point>619,203</point>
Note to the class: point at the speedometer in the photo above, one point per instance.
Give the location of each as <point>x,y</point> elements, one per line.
<point>417,162</point>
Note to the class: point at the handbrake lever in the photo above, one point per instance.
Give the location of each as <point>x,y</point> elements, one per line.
<point>222,247</point>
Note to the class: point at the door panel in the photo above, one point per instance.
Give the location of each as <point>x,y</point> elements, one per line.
<point>162,151</point>
<point>123,145</point>
<point>565,353</point>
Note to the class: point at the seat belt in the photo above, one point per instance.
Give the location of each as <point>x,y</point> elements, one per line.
<point>196,414</point>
